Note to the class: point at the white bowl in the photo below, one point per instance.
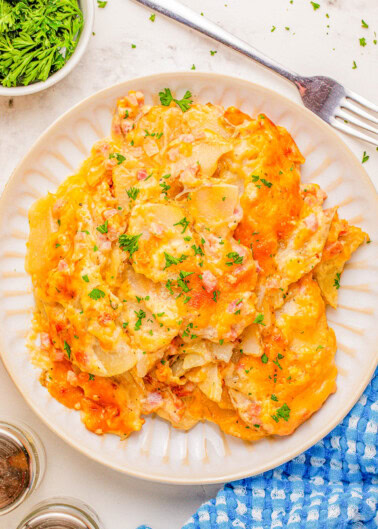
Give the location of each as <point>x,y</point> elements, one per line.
<point>87,7</point>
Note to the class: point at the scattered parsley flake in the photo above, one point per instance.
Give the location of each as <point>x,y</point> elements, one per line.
<point>96,294</point>
<point>170,260</point>
<point>273,29</point>
<point>315,5</point>
<point>362,42</point>
<point>103,228</point>
<point>91,377</point>
<point>193,67</point>
<point>140,315</point>
<point>166,99</point>
<point>273,397</point>
<point>365,157</point>
<point>133,46</point>
<point>336,282</point>
<point>235,258</point>
<point>212,52</point>
<point>129,243</point>
<point>354,65</point>
<point>259,319</point>
<point>119,157</point>
<point>364,24</point>
<point>152,17</point>
<point>184,223</point>
<point>102,3</point>
<point>264,359</point>
<point>85,278</point>
<point>133,192</point>
<point>67,348</point>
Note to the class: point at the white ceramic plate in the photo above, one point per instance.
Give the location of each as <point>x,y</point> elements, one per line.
<point>204,454</point>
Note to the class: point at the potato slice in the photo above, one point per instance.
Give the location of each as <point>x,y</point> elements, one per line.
<point>41,226</point>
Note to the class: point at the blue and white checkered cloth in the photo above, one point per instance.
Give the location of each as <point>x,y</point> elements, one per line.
<point>332,485</point>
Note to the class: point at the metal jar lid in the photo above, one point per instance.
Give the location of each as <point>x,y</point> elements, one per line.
<point>57,520</point>
<point>61,513</point>
<point>17,467</point>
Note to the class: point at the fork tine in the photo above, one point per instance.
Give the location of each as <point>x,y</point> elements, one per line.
<point>346,103</point>
<point>351,119</point>
<point>361,100</point>
<point>353,132</point>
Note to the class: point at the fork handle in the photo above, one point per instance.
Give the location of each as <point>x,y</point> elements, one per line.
<point>188,17</point>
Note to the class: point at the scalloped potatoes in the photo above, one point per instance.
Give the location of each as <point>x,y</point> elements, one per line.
<point>184,270</point>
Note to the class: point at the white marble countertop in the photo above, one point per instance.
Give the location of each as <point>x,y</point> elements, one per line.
<point>303,42</point>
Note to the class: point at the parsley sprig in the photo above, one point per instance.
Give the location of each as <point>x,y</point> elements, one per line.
<point>166,99</point>
<point>36,38</point>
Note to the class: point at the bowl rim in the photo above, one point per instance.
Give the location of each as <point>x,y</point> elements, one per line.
<point>343,411</point>
<point>83,42</point>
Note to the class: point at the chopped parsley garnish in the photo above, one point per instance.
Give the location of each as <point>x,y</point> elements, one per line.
<point>67,348</point>
<point>95,248</point>
<point>363,42</point>
<point>364,24</point>
<point>354,65</point>
<point>187,298</point>
<point>273,29</point>
<point>152,17</point>
<point>102,3</point>
<point>212,53</point>
<point>319,347</point>
<point>264,359</point>
<point>165,188</point>
<point>259,319</point>
<point>103,228</point>
<point>336,282</point>
<point>166,99</point>
<point>125,324</point>
<point>365,157</point>
<point>235,258</point>
<point>193,67</point>
<point>85,278</point>
<point>187,239</point>
<point>282,413</point>
<point>120,158</point>
<point>216,295</point>
<point>133,46</point>
<point>168,286</point>
<point>315,6</point>
<point>170,260</point>
<point>140,315</point>
<point>129,243</point>
<point>256,178</point>
<point>91,377</point>
<point>133,192</point>
<point>37,38</point>
<point>182,282</point>
<point>273,397</point>
<point>197,250</point>
<point>96,294</point>
<point>184,223</point>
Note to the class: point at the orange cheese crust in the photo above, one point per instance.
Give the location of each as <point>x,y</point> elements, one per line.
<point>184,270</point>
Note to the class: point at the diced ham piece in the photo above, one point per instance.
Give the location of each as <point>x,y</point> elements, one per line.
<point>153,401</point>
<point>131,100</point>
<point>104,318</point>
<point>45,340</point>
<point>234,306</point>
<point>311,222</point>
<point>156,229</point>
<point>58,356</point>
<point>102,147</point>
<point>58,206</point>
<point>209,281</point>
<point>62,266</point>
<point>105,246</point>
<point>110,213</point>
<point>187,176</point>
<point>334,248</point>
<point>142,174</point>
<point>110,163</point>
<point>173,154</point>
<point>139,96</point>
<point>72,378</point>
<point>127,125</point>
<point>186,138</point>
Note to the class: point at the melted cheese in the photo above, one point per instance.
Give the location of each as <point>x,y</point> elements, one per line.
<point>183,270</point>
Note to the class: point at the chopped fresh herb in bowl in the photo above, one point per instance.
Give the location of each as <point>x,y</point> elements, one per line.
<point>37,37</point>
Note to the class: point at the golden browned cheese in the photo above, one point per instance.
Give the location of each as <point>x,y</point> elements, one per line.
<point>184,270</point>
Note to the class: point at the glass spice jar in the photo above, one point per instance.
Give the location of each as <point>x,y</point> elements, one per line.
<point>22,464</point>
<point>61,513</point>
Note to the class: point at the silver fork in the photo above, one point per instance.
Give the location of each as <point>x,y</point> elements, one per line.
<point>338,106</point>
